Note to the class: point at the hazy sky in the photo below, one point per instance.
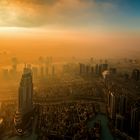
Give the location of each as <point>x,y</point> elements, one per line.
<point>70,27</point>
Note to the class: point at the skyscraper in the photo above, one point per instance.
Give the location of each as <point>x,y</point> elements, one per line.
<point>23,115</point>
<point>136,74</point>
<point>135,119</point>
<point>113,102</point>
<point>25,92</point>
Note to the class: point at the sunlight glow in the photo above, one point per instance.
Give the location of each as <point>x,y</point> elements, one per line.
<point>11,29</point>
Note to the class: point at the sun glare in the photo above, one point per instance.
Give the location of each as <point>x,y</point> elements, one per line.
<point>11,29</point>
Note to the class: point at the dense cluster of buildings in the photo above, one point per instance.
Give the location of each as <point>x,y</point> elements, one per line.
<point>69,120</point>
<point>102,70</point>
<point>62,114</point>
<point>123,110</point>
<point>86,69</point>
<point>9,73</point>
<point>43,71</point>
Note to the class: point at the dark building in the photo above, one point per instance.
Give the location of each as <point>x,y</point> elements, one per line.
<point>121,119</point>
<point>122,104</point>
<point>87,69</point>
<point>104,67</point>
<point>81,70</point>
<point>97,69</point>
<point>112,102</point>
<point>23,116</point>
<point>135,74</point>
<point>113,70</point>
<point>119,124</point>
<point>53,70</point>
<point>100,69</point>
<point>135,119</point>
<point>92,70</point>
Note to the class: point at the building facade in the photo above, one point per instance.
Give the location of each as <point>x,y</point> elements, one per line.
<point>24,112</point>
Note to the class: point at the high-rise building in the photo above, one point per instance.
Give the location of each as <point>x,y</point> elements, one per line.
<point>92,70</point>
<point>119,124</point>
<point>46,71</point>
<point>87,69</point>
<point>113,71</point>
<point>104,67</point>
<point>81,70</point>
<point>41,71</point>
<point>24,112</point>
<point>100,69</point>
<point>53,70</point>
<point>112,106</point>
<point>25,91</point>
<point>1,126</point>
<point>35,72</point>
<point>136,74</point>
<point>84,68</point>
<point>135,119</point>
<point>122,104</point>
<point>97,69</point>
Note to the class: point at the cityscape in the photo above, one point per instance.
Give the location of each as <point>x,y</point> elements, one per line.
<point>69,69</point>
<point>89,99</point>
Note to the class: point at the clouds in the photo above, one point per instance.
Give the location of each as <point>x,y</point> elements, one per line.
<point>37,2</point>
<point>36,13</point>
<point>30,13</point>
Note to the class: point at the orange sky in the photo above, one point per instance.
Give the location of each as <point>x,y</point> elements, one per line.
<point>60,42</point>
<point>82,28</point>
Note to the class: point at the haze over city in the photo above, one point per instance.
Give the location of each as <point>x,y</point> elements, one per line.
<point>69,70</point>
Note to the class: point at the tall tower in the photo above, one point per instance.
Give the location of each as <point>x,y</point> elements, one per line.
<point>24,114</point>
<point>25,104</point>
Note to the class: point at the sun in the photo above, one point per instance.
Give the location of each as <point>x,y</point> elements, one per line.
<point>11,29</point>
